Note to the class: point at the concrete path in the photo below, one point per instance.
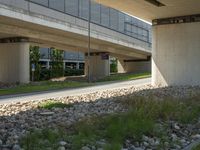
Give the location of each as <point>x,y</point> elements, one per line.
<point>71,92</point>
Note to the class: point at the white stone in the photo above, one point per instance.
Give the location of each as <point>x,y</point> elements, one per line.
<point>176,127</point>
<point>16,147</point>
<point>47,113</point>
<point>62,143</point>
<point>61,148</point>
<point>197,136</point>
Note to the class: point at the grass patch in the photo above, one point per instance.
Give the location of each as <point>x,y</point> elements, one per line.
<point>142,118</point>
<point>52,85</point>
<point>42,139</point>
<point>181,110</point>
<point>196,147</point>
<point>53,104</point>
<point>42,86</point>
<point>122,77</point>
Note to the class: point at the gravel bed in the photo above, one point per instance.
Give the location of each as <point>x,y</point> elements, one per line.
<point>16,119</point>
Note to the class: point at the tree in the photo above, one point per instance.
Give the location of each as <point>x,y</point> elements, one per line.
<point>34,60</point>
<point>113,65</point>
<point>57,56</point>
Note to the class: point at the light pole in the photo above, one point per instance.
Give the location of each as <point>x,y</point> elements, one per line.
<point>89,40</point>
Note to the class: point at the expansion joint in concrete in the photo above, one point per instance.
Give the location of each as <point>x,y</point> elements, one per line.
<point>177,20</point>
<point>97,53</point>
<point>138,60</point>
<point>14,40</point>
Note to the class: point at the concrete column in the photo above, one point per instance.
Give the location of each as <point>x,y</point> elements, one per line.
<point>14,62</point>
<point>77,65</point>
<point>64,65</point>
<point>133,67</point>
<point>176,54</point>
<point>48,64</point>
<point>99,67</point>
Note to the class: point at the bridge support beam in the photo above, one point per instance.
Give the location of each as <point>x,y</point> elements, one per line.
<point>99,65</point>
<point>14,62</point>
<point>176,54</point>
<point>133,66</point>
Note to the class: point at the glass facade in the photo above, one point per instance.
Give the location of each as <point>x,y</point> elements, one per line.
<point>68,55</point>
<point>101,15</point>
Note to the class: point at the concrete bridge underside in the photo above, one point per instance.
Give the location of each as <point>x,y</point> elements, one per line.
<point>176,36</point>
<point>19,29</point>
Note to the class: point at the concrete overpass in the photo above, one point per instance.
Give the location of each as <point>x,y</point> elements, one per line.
<point>25,22</point>
<point>176,37</point>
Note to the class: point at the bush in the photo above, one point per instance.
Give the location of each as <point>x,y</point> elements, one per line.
<point>113,66</point>
<point>45,74</point>
<point>74,72</point>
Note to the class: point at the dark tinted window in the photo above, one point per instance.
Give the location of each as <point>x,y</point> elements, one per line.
<point>84,8</point>
<point>71,7</point>
<point>42,2</point>
<point>114,17</point>
<point>121,22</point>
<point>105,16</point>
<point>57,4</point>
<point>95,12</point>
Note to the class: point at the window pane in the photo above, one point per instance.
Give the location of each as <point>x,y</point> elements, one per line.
<point>128,19</point>
<point>84,8</point>
<point>105,16</point>
<point>114,19</point>
<point>121,22</point>
<point>42,2</point>
<point>95,12</point>
<point>57,4</point>
<point>71,7</point>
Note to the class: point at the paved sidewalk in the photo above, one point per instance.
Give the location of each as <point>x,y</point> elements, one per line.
<point>71,92</point>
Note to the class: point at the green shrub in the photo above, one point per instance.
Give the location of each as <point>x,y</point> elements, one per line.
<point>53,104</point>
<point>74,72</point>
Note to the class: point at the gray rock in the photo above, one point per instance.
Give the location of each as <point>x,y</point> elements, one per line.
<point>145,138</point>
<point>139,148</point>
<point>197,136</point>
<point>1,142</point>
<point>61,148</point>
<point>174,137</point>
<point>62,143</point>
<point>46,113</point>
<point>16,147</point>
<point>176,126</point>
<point>178,146</point>
<point>157,143</point>
<point>85,148</point>
<point>145,144</point>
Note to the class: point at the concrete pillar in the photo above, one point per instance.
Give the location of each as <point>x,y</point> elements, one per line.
<point>77,65</point>
<point>133,66</point>
<point>48,64</point>
<point>176,54</point>
<point>99,66</point>
<point>14,62</point>
<point>64,65</point>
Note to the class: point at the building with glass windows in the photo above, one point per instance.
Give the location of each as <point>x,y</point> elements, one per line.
<point>101,15</point>
<point>64,24</point>
<point>71,60</point>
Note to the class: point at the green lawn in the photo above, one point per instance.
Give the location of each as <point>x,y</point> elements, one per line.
<point>42,86</point>
<point>196,147</point>
<point>53,104</point>
<point>50,85</point>
<point>141,119</point>
<point>121,77</point>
